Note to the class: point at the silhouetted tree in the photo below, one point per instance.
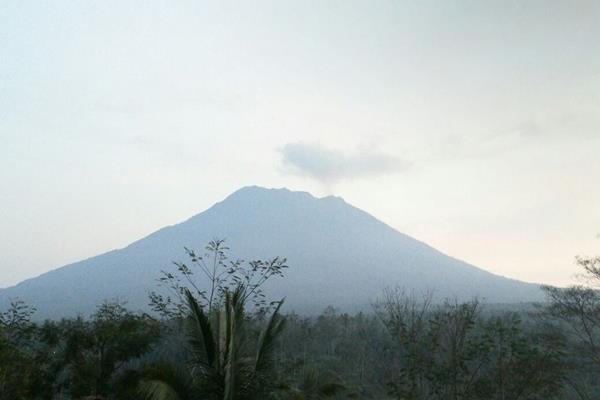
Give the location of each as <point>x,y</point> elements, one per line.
<point>87,354</point>
<point>209,276</point>
<point>575,310</point>
<point>449,352</point>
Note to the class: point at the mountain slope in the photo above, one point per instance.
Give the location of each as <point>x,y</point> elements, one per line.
<point>337,254</point>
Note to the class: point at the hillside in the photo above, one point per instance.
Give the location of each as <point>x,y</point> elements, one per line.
<point>338,255</point>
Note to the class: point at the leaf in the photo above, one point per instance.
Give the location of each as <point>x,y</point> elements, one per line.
<point>157,390</point>
<point>201,327</point>
<point>266,341</point>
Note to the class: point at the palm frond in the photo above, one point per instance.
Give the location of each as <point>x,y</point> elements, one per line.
<point>157,390</point>
<point>163,375</point>
<point>235,320</point>
<point>202,335</point>
<point>321,385</point>
<point>266,341</point>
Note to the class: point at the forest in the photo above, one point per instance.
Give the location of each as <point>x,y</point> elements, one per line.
<point>214,332</point>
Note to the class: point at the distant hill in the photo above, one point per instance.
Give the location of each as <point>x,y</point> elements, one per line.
<point>338,255</point>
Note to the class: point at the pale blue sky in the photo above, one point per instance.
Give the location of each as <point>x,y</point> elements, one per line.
<point>471,125</point>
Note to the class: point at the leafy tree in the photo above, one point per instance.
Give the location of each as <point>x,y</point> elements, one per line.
<point>16,320</point>
<point>575,310</point>
<point>578,308</point>
<point>449,351</point>
<point>16,365</point>
<point>406,318</point>
<point>333,350</point>
<point>210,276</point>
<point>15,370</point>
<point>87,354</point>
<point>516,365</point>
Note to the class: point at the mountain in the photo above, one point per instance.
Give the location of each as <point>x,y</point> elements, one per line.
<point>338,255</point>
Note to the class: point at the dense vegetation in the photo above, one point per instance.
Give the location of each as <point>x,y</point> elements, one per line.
<point>214,334</point>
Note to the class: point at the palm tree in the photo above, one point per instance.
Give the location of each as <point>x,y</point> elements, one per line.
<point>222,367</point>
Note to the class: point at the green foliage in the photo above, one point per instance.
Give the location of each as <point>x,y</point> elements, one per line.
<point>162,380</point>
<point>574,312</point>
<point>333,351</point>
<point>410,348</point>
<point>16,321</point>
<point>209,277</point>
<point>221,365</point>
<point>17,367</point>
<point>450,352</point>
<point>81,357</point>
<point>15,370</point>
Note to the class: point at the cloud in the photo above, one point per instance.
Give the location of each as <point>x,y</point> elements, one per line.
<point>331,166</point>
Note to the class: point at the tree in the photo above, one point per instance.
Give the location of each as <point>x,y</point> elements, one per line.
<point>15,370</point>
<point>406,318</point>
<point>16,365</point>
<point>210,276</point>
<point>222,365</point>
<point>578,307</point>
<point>576,311</point>
<point>518,365</point>
<point>449,352</point>
<point>16,320</point>
<point>87,354</point>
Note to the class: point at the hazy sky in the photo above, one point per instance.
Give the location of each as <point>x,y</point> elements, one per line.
<point>473,126</point>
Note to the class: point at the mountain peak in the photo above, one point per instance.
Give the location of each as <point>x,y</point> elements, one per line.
<point>254,191</point>
<point>258,195</point>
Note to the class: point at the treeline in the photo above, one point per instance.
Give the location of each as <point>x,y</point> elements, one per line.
<point>230,342</point>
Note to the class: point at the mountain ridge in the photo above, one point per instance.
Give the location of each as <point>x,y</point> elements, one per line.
<point>338,254</point>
